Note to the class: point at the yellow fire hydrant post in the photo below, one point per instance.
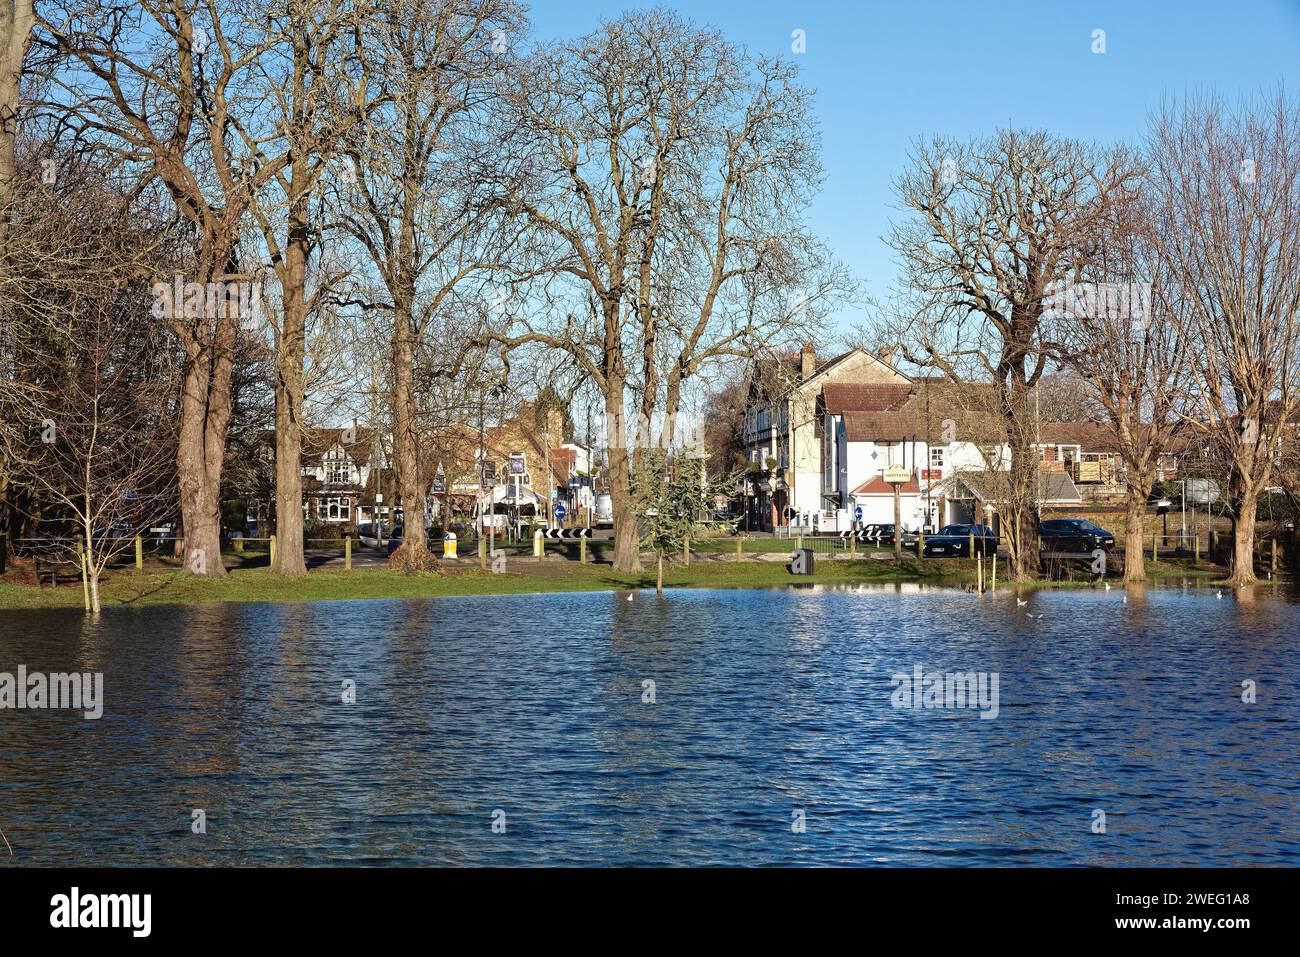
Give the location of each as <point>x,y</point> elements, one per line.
<point>449,545</point>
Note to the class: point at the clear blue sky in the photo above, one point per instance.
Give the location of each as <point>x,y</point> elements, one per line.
<point>886,72</point>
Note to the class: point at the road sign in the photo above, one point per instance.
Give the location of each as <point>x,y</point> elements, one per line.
<point>561,534</point>
<point>857,513</point>
<point>896,475</point>
<point>559,512</point>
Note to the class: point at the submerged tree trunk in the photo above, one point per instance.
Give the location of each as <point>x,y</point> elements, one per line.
<point>1021,522</point>
<point>1243,539</point>
<point>1134,518</point>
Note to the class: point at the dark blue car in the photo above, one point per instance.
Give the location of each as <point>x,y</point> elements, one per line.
<point>954,541</point>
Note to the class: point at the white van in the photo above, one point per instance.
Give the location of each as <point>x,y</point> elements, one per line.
<point>604,517</point>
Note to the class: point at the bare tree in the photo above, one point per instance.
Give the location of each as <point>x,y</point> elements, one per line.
<point>997,222</point>
<point>155,89</point>
<point>662,171</point>
<point>1226,192</point>
<point>1130,357</point>
<point>304,72</point>
<point>413,200</point>
<point>95,445</point>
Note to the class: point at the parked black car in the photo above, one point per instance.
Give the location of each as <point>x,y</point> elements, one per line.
<point>954,541</point>
<point>883,534</point>
<point>1073,535</point>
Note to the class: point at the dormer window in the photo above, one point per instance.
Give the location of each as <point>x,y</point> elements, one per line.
<point>338,467</point>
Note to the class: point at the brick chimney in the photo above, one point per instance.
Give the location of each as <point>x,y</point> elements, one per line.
<point>807,361</point>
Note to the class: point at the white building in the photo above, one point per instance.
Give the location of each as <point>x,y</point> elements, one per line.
<point>783,433</point>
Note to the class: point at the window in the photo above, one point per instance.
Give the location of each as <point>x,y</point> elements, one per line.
<point>338,467</point>
<point>936,458</point>
<point>334,509</point>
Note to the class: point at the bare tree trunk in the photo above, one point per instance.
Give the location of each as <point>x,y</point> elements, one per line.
<point>1243,538</point>
<point>1022,483</point>
<point>627,554</point>
<point>1134,518</point>
<point>289,386</point>
<point>406,450</point>
<point>200,451</point>
<point>16,19</point>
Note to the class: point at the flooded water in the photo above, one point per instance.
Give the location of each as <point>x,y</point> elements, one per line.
<point>525,730</point>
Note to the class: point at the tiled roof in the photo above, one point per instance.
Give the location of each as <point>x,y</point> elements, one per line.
<point>850,397</point>
<point>876,485</point>
<point>883,426</point>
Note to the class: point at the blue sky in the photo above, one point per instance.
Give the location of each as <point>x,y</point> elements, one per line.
<point>887,72</point>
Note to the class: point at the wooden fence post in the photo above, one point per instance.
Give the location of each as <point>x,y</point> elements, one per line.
<point>582,551</point>
<point>739,547</point>
<point>686,551</point>
<point>139,554</point>
<point>272,550</point>
<point>1273,560</point>
<point>347,553</point>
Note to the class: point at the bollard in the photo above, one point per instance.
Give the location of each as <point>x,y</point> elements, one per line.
<point>1196,548</point>
<point>853,544</point>
<point>972,544</point>
<point>539,545</point>
<point>139,554</point>
<point>347,553</point>
<point>798,541</point>
<point>449,546</point>
<point>686,551</point>
<point>1155,549</point>
<point>582,551</point>
<point>239,544</point>
<point>739,549</point>
<point>272,550</point>
<point>482,551</point>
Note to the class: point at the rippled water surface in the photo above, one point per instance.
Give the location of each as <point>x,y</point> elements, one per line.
<point>766,703</point>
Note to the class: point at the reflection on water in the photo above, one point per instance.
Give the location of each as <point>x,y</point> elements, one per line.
<point>765,703</point>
